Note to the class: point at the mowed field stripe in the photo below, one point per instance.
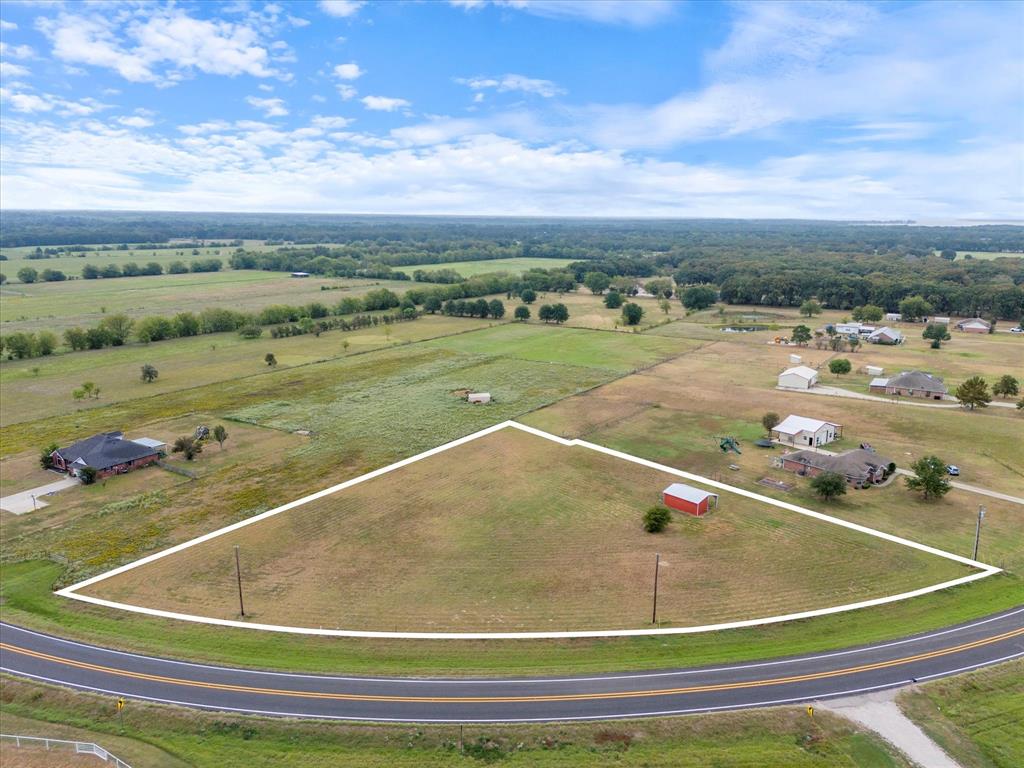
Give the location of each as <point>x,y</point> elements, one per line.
<point>513,699</point>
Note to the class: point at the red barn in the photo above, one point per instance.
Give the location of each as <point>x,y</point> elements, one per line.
<point>686,498</point>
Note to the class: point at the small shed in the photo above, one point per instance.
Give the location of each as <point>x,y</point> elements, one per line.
<point>686,498</point>
<point>941,320</point>
<point>479,397</point>
<point>874,370</point>
<point>300,274</point>
<point>795,359</point>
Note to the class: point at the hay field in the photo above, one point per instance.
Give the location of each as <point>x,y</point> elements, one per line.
<point>56,306</point>
<point>513,532</point>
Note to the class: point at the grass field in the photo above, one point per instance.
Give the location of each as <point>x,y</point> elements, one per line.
<point>56,306</point>
<point>474,268</point>
<point>38,387</point>
<point>168,737</point>
<point>725,386</point>
<point>977,718</point>
<point>512,532</point>
<point>371,409</point>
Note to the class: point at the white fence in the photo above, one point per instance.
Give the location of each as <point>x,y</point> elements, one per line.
<point>78,747</point>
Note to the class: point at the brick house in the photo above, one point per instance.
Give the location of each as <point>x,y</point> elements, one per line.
<point>860,466</point>
<point>109,453</point>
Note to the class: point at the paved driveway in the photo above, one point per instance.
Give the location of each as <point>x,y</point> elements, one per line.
<point>20,503</point>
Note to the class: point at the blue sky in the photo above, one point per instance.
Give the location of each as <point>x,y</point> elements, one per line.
<point>554,107</point>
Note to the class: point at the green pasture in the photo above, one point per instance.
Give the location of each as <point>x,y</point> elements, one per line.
<point>977,718</point>
<point>42,386</point>
<point>56,306</point>
<point>474,268</point>
<point>571,346</point>
<point>158,736</point>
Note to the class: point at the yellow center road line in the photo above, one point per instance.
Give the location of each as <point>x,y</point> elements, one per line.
<point>510,699</point>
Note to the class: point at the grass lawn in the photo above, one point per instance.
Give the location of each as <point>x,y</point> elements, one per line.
<point>474,268</point>
<point>514,532</point>
<point>32,389</point>
<point>554,344</point>
<point>977,718</point>
<point>166,737</point>
<point>56,306</point>
<point>989,254</point>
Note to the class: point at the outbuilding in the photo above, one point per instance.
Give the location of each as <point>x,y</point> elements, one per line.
<point>300,274</point>
<point>885,335</point>
<point>686,498</point>
<point>801,430</point>
<point>974,325</point>
<point>479,397</point>
<point>798,377</point>
<point>874,370</point>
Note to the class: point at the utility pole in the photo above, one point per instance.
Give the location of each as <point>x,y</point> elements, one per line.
<point>238,573</point>
<point>977,529</point>
<point>657,564</point>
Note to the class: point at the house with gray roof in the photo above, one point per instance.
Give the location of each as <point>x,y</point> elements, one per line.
<point>109,453</point>
<point>910,384</point>
<point>861,467</point>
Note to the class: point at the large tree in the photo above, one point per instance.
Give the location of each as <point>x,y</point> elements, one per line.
<point>810,308</point>
<point>188,446</point>
<point>1007,386</point>
<point>118,328</point>
<point>698,297</point>
<point>220,434</point>
<point>914,308</point>
<point>973,393</point>
<point>801,335</point>
<point>632,313</point>
<point>829,485</point>
<point>769,421</point>
<point>522,313</point>
<point>869,313</point>
<point>597,282</point>
<point>149,373</point>
<point>930,477</point>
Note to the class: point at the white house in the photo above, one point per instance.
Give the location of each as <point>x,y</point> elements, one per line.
<point>893,317</point>
<point>801,430</point>
<point>798,377</point>
<point>975,325</point>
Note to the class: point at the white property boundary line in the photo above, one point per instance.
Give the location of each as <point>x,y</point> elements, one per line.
<point>983,569</point>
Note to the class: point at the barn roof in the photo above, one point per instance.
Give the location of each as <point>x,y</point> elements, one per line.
<point>688,493</point>
<point>802,371</point>
<point>792,425</point>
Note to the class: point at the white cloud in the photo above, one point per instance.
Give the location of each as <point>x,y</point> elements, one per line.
<point>296,21</point>
<point>135,46</point>
<point>7,26</point>
<point>383,103</point>
<point>269,107</point>
<point>330,122</point>
<point>638,13</point>
<point>346,91</point>
<point>135,121</point>
<point>254,166</point>
<point>26,101</point>
<point>350,71</point>
<point>886,131</point>
<point>16,51</point>
<point>265,88</point>
<point>9,71</point>
<point>512,82</point>
<point>341,8</point>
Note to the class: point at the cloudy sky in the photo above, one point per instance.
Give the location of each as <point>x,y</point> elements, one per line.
<point>645,107</point>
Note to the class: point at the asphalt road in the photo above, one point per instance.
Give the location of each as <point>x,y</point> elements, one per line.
<point>787,681</point>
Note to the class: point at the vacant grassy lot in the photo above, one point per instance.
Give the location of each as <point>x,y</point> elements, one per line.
<point>989,254</point>
<point>978,718</point>
<point>169,737</point>
<point>31,389</point>
<point>56,306</point>
<point>473,268</point>
<point>514,532</point>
